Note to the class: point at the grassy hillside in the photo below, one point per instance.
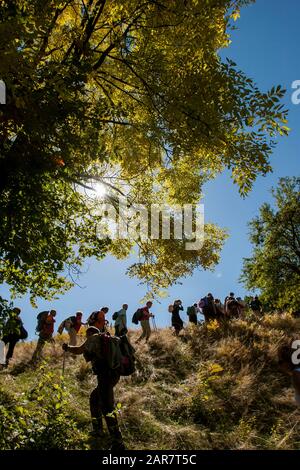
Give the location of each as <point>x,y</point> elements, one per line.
<point>215,387</point>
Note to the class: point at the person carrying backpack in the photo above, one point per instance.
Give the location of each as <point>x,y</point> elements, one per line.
<point>13,332</point>
<point>145,322</point>
<point>232,307</point>
<point>241,306</point>
<point>120,319</point>
<point>208,307</point>
<point>256,305</point>
<point>97,319</point>
<point>177,322</point>
<point>72,326</point>
<point>219,305</point>
<point>192,314</point>
<point>107,369</point>
<point>45,328</point>
<point>227,298</point>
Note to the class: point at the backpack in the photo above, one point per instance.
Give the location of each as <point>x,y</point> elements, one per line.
<point>137,316</point>
<point>232,307</point>
<point>108,352</point>
<point>191,311</point>
<point>67,323</point>
<point>92,318</point>
<point>171,308</point>
<point>203,302</point>
<point>60,329</point>
<point>23,333</point>
<point>231,304</point>
<point>127,356</point>
<point>41,319</point>
<point>254,305</point>
<point>115,316</point>
<point>14,327</point>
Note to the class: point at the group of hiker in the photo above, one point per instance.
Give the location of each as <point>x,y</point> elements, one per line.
<point>211,308</point>
<point>112,356</point>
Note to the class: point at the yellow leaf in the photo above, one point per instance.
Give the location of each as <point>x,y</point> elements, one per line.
<point>236,14</point>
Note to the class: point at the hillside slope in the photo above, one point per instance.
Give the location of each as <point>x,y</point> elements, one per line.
<point>216,387</point>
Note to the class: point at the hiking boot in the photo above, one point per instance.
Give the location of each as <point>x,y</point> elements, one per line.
<point>117,446</point>
<point>97,433</point>
<point>97,428</point>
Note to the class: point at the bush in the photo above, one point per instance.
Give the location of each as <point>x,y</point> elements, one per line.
<point>37,420</point>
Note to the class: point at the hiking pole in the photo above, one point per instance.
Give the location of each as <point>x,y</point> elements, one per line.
<point>154,324</point>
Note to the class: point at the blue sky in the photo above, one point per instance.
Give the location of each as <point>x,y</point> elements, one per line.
<point>265,47</point>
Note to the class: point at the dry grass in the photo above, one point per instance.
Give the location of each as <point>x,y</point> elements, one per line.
<point>214,387</point>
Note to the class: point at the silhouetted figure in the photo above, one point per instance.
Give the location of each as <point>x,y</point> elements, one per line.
<point>46,330</point>
<point>102,397</point>
<point>145,322</point>
<point>208,307</point>
<point>192,313</point>
<point>177,322</point>
<point>13,332</point>
<point>121,321</point>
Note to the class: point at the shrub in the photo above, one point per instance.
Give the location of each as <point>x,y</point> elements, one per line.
<point>37,420</point>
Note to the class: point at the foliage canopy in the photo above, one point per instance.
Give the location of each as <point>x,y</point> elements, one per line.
<point>132,94</point>
<point>274,267</point>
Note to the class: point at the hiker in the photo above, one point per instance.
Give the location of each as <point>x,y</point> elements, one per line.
<point>286,365</point>
<point>97,319</point>
<point>230,296</point>
<point>232,308</point>
<point>145,321</point>
<point>256,306</point>
<point>72,325</point>
<point>242,305</point>
<point>219,308</point>
<point>192,313</point>
<point>208,307</point>
<point>177,322</point>
<point>45,328</point>
<point>121,321</point>
<point>13,332</point>
<point>102,397</point>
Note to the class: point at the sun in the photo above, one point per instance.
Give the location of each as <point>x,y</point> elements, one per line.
<point>99,190</point>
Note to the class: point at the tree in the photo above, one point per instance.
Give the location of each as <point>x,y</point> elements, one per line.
<point>274,267</point>
<point>134,95</point>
